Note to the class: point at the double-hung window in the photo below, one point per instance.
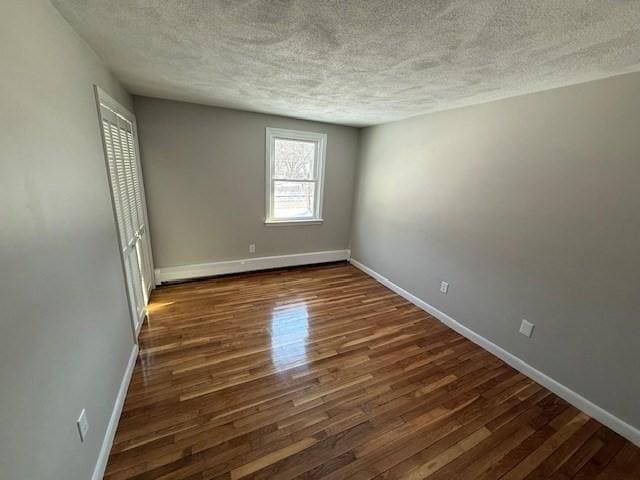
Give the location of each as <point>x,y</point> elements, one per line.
<point>295,174</point>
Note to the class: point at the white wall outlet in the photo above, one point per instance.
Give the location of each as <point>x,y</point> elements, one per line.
<point>444,287</point>
<point>252,248</point>
<point>83,425</point>
<point>526,328</point>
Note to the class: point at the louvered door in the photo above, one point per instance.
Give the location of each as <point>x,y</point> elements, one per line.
<point>121,152</point>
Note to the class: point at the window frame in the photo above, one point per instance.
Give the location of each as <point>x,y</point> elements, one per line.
<point>320,140</point>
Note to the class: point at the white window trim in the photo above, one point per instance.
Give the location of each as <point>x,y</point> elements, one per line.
<point>320,139</point>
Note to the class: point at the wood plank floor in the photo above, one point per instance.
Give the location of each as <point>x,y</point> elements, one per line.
<point>321,372</point>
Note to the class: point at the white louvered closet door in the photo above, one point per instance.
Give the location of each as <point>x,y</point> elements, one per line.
<point>121,151</point>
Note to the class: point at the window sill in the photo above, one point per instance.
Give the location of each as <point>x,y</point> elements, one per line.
<point>310,221</point>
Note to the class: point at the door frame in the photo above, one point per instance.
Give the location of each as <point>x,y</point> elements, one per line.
<point>104,99</point>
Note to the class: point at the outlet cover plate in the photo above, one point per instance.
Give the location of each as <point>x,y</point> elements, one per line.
<point>83,425</point>
<point>526,328</point>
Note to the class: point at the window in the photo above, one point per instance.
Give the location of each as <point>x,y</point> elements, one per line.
<point>295,170</point>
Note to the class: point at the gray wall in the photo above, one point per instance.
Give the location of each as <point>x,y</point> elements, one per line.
<point>530,208</point>
<point>204,170</point>
<point>65,330</point>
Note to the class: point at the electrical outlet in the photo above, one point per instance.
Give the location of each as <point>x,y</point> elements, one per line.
<point>526,328</point>
<point>444,287</point>
<point>252,248</point>
<point>83,425</point>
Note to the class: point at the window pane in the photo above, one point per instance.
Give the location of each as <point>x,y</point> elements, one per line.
<point>294,159</point>
<point>293,199</point>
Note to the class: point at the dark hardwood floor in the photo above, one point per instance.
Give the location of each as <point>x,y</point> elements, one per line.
<point>321,372</point>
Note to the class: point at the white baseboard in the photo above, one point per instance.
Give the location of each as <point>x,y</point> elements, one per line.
<point>103,457</point>
<point>187,272</point>
<point>614,423</point>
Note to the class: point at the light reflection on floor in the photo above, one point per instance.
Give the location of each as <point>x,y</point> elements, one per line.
<point>154,307</point>
<point>289,335</point>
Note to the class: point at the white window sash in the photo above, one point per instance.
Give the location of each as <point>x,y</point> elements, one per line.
<point>319,140</point>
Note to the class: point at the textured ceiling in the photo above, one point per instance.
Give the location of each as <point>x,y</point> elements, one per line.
<point>356,62</point>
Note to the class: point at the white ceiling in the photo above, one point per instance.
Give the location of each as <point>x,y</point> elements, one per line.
<point>356,62</point>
